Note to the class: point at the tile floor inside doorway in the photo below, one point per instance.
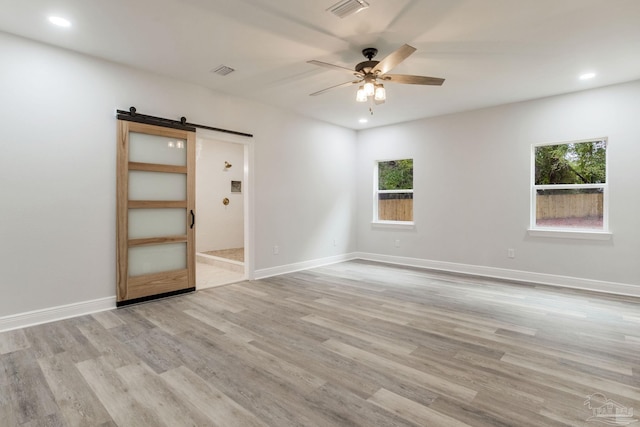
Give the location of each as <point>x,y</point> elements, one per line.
<point>208,276</point>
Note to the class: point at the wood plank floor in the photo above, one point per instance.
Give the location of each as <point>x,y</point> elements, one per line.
<point>351,344</point>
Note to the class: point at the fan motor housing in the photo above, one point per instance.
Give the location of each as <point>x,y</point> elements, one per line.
<point>366,66</point>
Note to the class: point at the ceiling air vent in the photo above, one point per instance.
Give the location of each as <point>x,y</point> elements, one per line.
<point>223,70</point>
<point>344,8</point>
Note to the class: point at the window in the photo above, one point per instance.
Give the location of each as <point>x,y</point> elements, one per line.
<point>393,191</point>
<point>569,189</point>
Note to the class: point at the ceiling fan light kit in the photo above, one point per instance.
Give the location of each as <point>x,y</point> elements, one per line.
<point>371,89</point>
<point>371,71</point>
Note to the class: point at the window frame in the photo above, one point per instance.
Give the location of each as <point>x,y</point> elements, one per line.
<point>388,223</point>
<point>569,232</point>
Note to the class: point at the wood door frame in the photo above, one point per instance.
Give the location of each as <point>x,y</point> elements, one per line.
<point>141,288</point>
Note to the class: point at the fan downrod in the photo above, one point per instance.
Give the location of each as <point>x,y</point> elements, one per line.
<point>369,52</point>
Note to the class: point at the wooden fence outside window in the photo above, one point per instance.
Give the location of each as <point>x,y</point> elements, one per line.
<point>395,210</point>
<point>586,205</point>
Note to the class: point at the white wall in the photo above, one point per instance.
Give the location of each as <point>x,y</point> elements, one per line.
<point>219,226</point>
<point>308,180</point>
<point>472,177</point>
<point>57,172</point>
<point>311,180</point>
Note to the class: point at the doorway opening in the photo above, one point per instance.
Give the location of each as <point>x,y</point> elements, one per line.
<point>222,206</point>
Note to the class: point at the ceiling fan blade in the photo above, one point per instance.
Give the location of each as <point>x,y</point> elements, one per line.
<point>393,59</point>
<point>333,67</point>
<point>412,80</point>
<point>333,87</point>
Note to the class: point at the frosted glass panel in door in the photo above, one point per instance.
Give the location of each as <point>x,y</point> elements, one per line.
<point>144,223</point>
<point>145,148</point>
<point>157,258</point>
<point>157,186</point>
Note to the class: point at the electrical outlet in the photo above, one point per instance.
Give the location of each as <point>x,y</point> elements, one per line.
<point>276,250</point>
<point>511,253</point>
<point>397,243</point>
<point>335,242</point>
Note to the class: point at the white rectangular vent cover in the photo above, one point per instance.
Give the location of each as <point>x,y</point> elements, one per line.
<point>223,70</point>
<point>344,8</point>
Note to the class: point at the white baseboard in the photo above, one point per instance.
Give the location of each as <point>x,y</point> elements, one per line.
<point>506,274</point>
<point>304,265</point>
<point>53,314</point>
<point>37,317</point>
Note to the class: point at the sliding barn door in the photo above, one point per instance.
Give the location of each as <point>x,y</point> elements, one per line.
<point>155,212</point>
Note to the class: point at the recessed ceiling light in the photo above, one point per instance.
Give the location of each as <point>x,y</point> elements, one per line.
<point>60,22</point>
<point>587,76</point>
<point>363,120</point>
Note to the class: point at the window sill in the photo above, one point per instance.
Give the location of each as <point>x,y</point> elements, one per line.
<point>407,225</point>
<point>570,234</point>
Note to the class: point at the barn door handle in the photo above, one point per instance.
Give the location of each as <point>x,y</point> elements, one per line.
<point>193,219</point>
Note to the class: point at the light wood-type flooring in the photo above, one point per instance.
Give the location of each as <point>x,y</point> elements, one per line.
<point>351,344</point>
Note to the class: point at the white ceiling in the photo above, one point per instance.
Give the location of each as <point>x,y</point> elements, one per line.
<point>489,51</point>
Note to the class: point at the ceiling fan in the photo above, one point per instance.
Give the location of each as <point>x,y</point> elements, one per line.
<point>373,73</point>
